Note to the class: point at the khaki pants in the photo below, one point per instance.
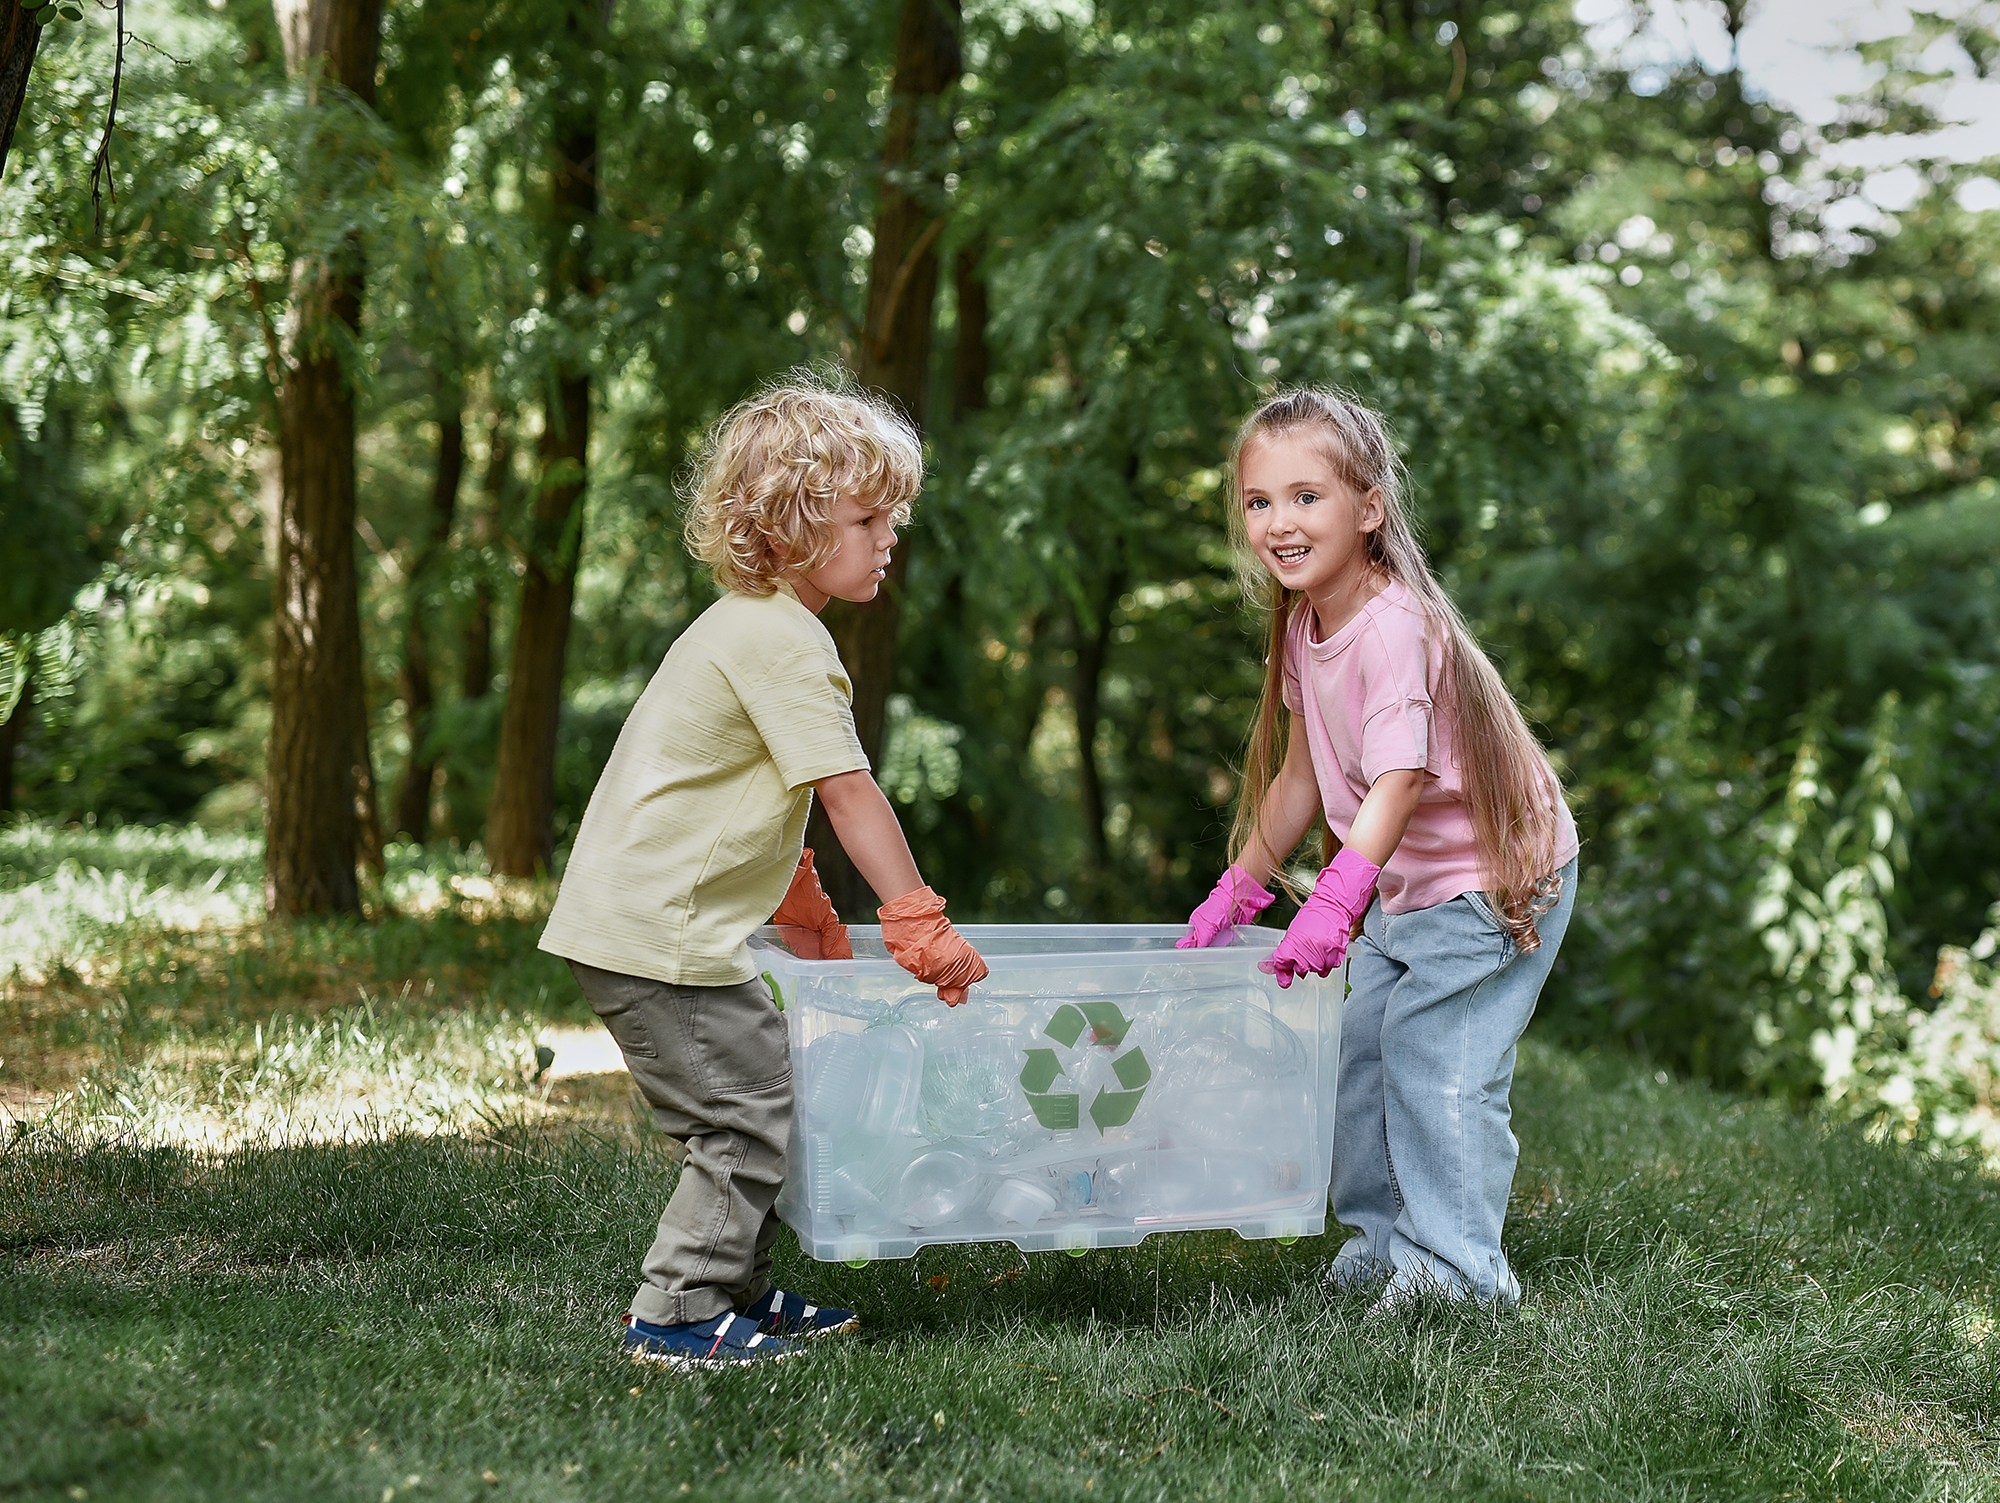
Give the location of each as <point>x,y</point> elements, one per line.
<point>715,1065</point>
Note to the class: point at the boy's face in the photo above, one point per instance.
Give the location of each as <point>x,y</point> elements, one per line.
<point>856,571</point>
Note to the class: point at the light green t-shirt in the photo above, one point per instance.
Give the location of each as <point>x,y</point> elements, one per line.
<point>695,828</point>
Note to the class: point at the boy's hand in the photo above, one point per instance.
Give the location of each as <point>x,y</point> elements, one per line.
<point>812,928</point>
<point>922,941</point>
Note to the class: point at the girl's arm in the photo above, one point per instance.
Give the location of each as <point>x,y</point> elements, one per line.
<point>1290,807</point>
<point>1317,940</point>
<point>1293,803</point>
<point>1385,814</point>
<point>869,833</point>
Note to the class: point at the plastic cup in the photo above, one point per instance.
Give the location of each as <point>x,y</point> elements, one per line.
<point>935,1186</point>
<point>895,1079</point>
<point>1021,1202</point>
<point>836,1070</point>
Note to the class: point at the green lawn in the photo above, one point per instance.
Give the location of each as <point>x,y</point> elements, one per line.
<point>1723,1301</point>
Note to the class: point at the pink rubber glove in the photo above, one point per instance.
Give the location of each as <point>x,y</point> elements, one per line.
<point>1317,940</point>
<point>1236,900</point>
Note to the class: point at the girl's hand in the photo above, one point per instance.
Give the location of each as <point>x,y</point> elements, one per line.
<point>1237,899</point>
<point>1317,939</point>
<point>922,941</point>
<point>813,929</point>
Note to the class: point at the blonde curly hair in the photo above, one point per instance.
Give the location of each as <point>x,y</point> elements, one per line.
<point>761,498</point>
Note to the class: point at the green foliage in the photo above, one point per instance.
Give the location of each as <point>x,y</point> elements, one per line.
<point>1931,1075</point>
<point>1819,908</point>
<point>1705,451</point>
<point>1810,528</point>
<point>45,543</point>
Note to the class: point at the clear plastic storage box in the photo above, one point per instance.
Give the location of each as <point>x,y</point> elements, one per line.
<point>1097,1087</point>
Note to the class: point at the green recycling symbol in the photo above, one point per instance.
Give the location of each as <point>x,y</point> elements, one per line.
<point>1107,1025</point>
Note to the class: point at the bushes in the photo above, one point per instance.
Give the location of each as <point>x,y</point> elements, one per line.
<point>1926,1075</point>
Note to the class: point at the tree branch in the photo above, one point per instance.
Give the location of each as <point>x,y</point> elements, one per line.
<point>894,302</point>
<point>100,165</point>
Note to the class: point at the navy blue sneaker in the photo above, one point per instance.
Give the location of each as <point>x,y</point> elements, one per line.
<point>784,1314</point>
<point>724,1341</point>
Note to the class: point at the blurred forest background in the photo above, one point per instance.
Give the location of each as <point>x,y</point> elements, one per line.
<point>338,459</point>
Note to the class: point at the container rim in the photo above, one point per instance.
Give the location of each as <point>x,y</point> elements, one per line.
<point>991,940</point>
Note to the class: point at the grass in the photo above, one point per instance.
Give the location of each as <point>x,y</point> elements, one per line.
<point>1724,1301</point>
<point>140,990</point>
<point>67,889</point>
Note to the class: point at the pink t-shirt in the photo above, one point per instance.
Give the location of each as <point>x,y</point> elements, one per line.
<point>1370,712</point>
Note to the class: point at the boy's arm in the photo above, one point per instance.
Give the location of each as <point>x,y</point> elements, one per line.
<point>860,815</point>
<point>918,935</point>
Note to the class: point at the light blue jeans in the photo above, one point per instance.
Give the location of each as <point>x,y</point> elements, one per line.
<point>1423,1154</point>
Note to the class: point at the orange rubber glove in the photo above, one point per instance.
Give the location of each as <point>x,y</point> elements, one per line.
<point>922,941</point>
<point>812,928</point>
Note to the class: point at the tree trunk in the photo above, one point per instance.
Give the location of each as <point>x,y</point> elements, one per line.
<point>367,802</point>
<point>970,358</point>
<point>1093,642</point>
<point>520,822</point>
<point>13,730</point>
<point>895,359</point>
<point>310,825</point>
<point>413,795</point>
<point>465,797</point>
<point>317,778</point>
<point>476,650</point>
<point>17,56</point>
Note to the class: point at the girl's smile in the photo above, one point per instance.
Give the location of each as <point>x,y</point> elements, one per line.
<point>1308,525</point>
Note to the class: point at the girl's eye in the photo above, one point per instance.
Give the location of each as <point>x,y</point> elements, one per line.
<point>1306,498</point>
<point>1256,503</point>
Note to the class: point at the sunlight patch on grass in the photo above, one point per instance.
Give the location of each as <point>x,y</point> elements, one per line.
<point>423,882</point>
<point>354,1075</point>
<point>71,899</point>
<point>580,1051</point>
<point>76,886</point>
<point>136,967</point>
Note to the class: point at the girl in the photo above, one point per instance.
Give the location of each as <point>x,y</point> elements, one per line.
<point>1451,855</point>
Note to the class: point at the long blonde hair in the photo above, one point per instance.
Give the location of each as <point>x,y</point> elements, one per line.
<point>1511,791</point>
<point>772,469</point>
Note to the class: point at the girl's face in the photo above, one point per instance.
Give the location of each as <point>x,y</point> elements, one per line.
<point>856,570</point>
<point>1307,525</point>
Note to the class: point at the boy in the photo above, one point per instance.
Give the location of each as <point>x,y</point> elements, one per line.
<point>697,827</point>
